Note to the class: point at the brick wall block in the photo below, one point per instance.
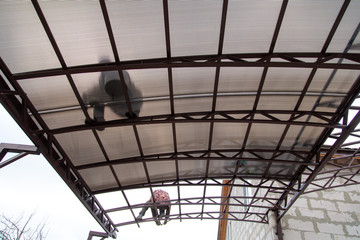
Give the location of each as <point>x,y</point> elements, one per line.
<point>355,197</point>
<point>301,225</point>
<point>330,228</point>
<point>293,235</point>
<point>334,195</point>
<point>349,207</point>
<point>340,217</point>
<point>319,214</point>
<point>323,204</point>
<point>316,236</point>
<point>353,230</point>
<point>301,202</point>
<point>338,237</point>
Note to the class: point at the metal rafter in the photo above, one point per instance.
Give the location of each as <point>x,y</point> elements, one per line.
<point>325,119</point>
<point>298,60</point>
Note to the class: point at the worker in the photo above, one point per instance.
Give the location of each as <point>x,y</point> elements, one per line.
<point>161,208</point>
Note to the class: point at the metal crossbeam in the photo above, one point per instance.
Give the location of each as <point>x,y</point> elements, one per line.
<point>226,60</point>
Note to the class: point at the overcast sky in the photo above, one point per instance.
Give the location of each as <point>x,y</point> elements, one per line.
<point>30,185</point>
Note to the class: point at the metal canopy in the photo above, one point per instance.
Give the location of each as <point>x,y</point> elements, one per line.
<point>126,95</point>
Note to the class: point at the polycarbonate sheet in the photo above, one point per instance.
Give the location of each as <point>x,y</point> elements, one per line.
<point>193,80</point>
<point>228,103</point>
<point>333,81</point>
<point>156,138</point>
<point>49,93</point>
<point>130,173</point>
<point>345,32</point>
<point>81,147</point>
<point>79,30</point>
<point>64,118</point>
<point>286,79</point>
<point>301,138</point>
<point>249,168</point>
<point>239,79</point>
<point>24,45</point>
<point>138,29</point>
<point>276,102</point>
<point>194,27</point>
<point>321,103</point>
<point>228,135</point>
<point>192,168</point>
<point>264,136</point>
<point>286,170</point>
<point>151,82</point>
<point>193,104</point>
<point>250,25</point>
<point>161,170</point>
<point>306,25</point>
<point>192,136</point>
<point>158,107</point>
<point>119,142</point>
<point>222,168</point>
<point>99,178</point>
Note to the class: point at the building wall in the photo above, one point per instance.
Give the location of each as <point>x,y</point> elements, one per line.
<point>331,214</point>
<point>323,215</point>
<point>254,231</point>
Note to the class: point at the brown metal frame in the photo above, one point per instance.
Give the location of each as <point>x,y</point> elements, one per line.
<point>310,170</point>
<point>21,149</point>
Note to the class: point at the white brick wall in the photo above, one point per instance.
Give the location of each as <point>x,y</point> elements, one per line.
<point>325,215</point>
<point>334,215</point>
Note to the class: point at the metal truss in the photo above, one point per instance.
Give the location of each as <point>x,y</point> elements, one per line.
<point>25,114</point>
<point>22,150</point>
<point>297,60</point>
<point>284,117</point>
<point>337,164</point>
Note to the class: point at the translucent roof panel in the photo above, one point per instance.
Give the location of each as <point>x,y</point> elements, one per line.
<point>99,178</point>
<point>64,118</point>
<point>265,136</point>
<point>147,39</point>
<point>195,27</point>
<point>191,169</point>
<point>130,173</point>
<point>193,104</point>
<point>301,138</point>
<point>306,25</point>
<point>192,136</point>
<point>222,168</point>
<point>331,81</point>
<point>250,25</point>
<point>161,170</point>
<point>156,138</point>
<point>233,102</point>
<point>50,93</point>
<point>346,30</point>
<point>82,147</point>
<point>23,41</point>
<point>239,79</point>
<point>286,79</point>
<point>79,30</point>
<point>119,142</point>
<point>193,80</point>
<point>228,135</point>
